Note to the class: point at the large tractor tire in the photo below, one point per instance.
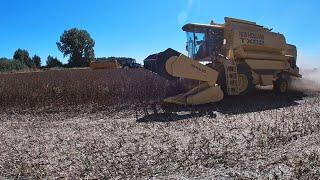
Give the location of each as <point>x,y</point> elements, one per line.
<point>221,81</point>
<point>245,79</point>
<point>281,85</point>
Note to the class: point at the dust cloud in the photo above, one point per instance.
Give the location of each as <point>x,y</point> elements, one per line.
<point>310,81</point>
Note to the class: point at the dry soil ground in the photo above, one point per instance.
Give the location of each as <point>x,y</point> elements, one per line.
<point>257,136</point>
<point>84,135</point>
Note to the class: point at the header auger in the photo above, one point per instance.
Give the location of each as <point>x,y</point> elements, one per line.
<point>227,59</point>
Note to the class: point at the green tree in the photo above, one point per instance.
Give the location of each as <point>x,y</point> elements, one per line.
<point>36,61</point>
<point>53,62</point>
<point>23,56</point>
<point>77,44</point>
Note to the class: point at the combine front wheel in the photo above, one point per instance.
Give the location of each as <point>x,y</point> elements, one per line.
<point>245,79</point>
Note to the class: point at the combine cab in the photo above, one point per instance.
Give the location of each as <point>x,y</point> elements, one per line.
<point>227,59</point>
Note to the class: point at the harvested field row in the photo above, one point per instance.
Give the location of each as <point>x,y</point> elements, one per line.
<point>84,124</point>
<point>84,143</point>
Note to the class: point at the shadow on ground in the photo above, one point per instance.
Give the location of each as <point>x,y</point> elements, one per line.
<point>174,116</point>
<point>259,100</point>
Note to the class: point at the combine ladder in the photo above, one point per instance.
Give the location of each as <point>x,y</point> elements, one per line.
<point>230,67</point>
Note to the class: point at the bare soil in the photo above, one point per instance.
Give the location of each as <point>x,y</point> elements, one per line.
<point>258,136</point>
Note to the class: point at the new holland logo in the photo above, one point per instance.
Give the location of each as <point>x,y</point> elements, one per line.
<point>251,38</point>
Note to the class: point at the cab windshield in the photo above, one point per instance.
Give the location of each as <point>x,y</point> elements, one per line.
<point>195,44</point>
<point>201,45</point>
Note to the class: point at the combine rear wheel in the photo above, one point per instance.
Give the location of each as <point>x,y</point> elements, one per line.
<point>281,85</point>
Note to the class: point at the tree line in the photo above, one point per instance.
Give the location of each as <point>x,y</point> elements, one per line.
<point>74,43</point>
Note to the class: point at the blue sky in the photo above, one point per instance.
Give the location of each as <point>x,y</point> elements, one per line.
<point>137,28</point>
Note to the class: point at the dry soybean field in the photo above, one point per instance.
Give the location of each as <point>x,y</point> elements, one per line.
<point>94,124</point>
